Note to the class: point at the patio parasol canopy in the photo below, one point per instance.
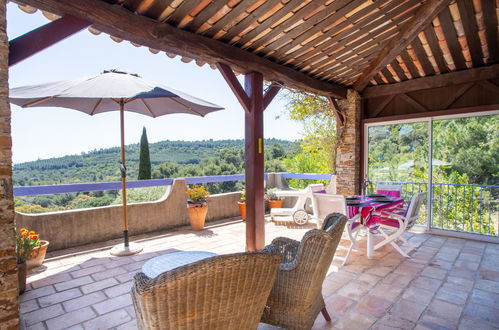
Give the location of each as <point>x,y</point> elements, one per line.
<point>111,91</point>
<point>101,93</point>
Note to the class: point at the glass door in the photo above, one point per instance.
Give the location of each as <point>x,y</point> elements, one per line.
<point>398,155</point>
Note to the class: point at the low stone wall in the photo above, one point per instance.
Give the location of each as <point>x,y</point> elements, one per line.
<point>77,227</point>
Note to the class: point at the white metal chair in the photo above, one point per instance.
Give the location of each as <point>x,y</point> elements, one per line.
<point>324,204</point>
<point>298,212</point>
<point>389,190</point>
<point>392,226</point>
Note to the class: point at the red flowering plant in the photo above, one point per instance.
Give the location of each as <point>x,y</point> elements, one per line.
<point>197,194</point>
<point>26,242</point>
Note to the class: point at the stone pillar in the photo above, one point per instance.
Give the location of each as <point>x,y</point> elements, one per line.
<point>9,308</point>
<point>348,148</point>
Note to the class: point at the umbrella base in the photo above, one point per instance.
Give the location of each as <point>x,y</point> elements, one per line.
<point>121,251</point>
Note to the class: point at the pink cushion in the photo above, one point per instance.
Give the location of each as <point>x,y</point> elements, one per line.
<point>392,193</point>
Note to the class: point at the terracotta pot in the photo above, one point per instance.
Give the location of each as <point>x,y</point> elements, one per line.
<point>37,256</point>
<point>22,271</point>
<point>276,204</point>
<point>242,209</point>
<point>197,214</point>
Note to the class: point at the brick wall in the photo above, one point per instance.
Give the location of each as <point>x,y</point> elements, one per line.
<point>348,149</point>
<point>9,317</point>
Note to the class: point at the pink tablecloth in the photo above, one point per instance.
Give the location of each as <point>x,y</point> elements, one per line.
<point>369,206</point>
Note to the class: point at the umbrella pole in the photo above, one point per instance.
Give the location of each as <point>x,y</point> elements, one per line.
<point>123,172</point>
<point>128,248</point>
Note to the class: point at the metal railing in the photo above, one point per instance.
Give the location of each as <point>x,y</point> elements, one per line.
<point>466,208</point>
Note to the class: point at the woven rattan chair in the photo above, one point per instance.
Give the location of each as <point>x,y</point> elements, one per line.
<point>296,297</point>
<point>222,292</point>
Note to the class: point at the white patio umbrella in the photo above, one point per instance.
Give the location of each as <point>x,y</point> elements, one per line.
<point>110,91</point>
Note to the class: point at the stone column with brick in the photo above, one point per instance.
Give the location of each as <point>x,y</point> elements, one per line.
<point>9,308</point>
<point>348,148</point>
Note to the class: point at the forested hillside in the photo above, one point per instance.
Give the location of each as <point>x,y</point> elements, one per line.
<point>169,159</point>
<point>103,165</point>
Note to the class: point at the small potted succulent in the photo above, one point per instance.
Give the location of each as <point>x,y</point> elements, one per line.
<point>197,208</point>
<point>242,204</point>
<point>27,242</point>
<point>274,200</point>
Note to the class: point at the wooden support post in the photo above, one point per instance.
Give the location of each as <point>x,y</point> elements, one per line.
<point>254,102</point>
<point>254,168</point>
<point>45,36</point>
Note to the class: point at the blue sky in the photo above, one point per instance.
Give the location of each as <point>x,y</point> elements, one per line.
<point>50,132</point>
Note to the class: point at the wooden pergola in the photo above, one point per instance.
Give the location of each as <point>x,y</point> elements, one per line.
<point>374,60</point>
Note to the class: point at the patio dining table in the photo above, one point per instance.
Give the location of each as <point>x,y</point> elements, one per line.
<point>364,210</point>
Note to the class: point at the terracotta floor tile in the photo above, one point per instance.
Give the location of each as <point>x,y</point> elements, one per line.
<point>407,310</point>
<point>386,292</point>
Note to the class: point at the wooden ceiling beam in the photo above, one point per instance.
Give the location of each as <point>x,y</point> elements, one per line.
<point>422,18</point>
<point>442,80</point>
<point>122,23</point>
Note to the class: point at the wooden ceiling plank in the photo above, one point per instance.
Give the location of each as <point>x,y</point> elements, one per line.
<point>250,19</point>
<point>422,57</point>
<point>205,14</point>
<point>410,30</point>
<point>229,17</point>
<point>312,25</point>
<point>435,49</point>
<point>398,69</point>
<point>318,28</point>
<point>352,61</point>
<point>441,80</point>
<point>450,34</point>
<point>490,18</point>
<point>366,24</point>
<point>157,9</point>
<point>388,75</point>
<point>377,40</point>
<point>296,17</point>
<point>409,63</point>
<point>181,11</point>
<point>471,31</point>
<point>289,7</point>
<point>120,22</point>
<point>378,79</point>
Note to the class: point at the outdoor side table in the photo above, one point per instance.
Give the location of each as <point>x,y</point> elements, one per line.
<point>166,262</point>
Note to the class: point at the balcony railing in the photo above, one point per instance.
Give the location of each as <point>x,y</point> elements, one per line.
<point>467,208</point>
<point>459,207</point>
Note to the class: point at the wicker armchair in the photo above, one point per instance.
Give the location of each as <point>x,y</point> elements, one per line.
<point>296,297</point>
<point>223,292</point>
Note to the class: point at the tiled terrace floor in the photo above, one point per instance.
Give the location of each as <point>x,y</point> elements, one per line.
<point>448,283</point>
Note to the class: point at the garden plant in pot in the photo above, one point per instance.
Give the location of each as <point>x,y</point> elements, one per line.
<point>197,208</point>
<point>27,242</point>
<point>274,200</point>
<point>242,204</point>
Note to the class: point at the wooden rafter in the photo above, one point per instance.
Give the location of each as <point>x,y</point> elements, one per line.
<point>45,36</point>
<point>122,23</point>
<point>447,79</point>
<point>422,18</point>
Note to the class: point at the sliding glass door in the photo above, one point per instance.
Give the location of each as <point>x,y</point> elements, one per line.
<point>462,180</point>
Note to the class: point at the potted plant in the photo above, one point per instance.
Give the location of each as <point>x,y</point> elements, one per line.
<point>27,241</point>
<point>242,204</point>
<point>274,200</point>
<point>197,208</point>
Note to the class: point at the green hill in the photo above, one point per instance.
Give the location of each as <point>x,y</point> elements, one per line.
<point>103,165</point>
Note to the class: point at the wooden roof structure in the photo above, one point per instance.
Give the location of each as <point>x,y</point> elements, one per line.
<point>323,47</point>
